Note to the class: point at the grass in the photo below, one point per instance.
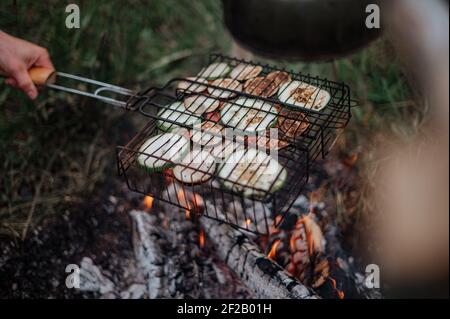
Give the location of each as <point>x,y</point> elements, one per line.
<point>57,151</point>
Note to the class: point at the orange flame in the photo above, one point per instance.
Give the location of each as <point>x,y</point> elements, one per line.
<point>191,201</point>
<point>148,203</point>
<point>248,221</point>
<point>273,250</point>
<point>340,293</point>
<point>292,243</point>
<point>273,228</point>
<point>201,238</point>
<point>197,202</point>
<point>313,234</point>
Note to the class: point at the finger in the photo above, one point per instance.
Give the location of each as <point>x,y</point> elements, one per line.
<point>44,60</point>
<point>24,83</point>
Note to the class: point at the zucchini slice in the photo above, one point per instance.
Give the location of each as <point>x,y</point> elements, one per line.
<point>225,83</point>
<point>304,95</point>
<point>214,71</point>
<point>162,151</point>
<point>249,115</point>
<point>198,167</point>
<point>199,104</point>
<point>247,169</point>
<point>190,87</point>
<point>244,71</point>
<point>176,112</point>
<point>223,149</point>
<point>208,134</point>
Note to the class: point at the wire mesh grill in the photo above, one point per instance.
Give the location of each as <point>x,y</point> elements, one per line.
<point>233,107</point>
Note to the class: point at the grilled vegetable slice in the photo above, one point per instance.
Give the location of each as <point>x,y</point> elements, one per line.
<point>177,113</point>
<point>279,77</point>
<point>252,173</point>
<point>223,149</point>
<point>244,72</point>
<point>199,166</point>
<point>194,85</point>
<point>225,83</point>
<point>304,95</point>
<point>199,104</point>
<point>208,134</point>
<point>292,124</point>
<point>266,142</point>
<point>249,115</point>
<point>214,71</point>
<point>261,86</point>
<point>162,151</point>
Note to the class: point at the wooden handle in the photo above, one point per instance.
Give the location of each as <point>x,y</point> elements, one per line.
<point>42,76</point>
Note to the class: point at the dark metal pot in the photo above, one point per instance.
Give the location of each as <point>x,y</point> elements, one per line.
<point>299,29</point>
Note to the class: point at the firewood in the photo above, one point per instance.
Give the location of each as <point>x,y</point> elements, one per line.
<point>263,276</point>
<point>148,252</point>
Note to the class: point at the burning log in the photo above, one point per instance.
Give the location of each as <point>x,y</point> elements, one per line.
<point>148,251</point>
<point>260,274</point>
<point>264,277</point>
<point>168,256</point>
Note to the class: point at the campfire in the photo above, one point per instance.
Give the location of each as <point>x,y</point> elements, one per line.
<point>298,248</point>
<point>239,200</point>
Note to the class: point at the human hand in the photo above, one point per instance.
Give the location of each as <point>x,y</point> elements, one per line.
<point>17,57</point>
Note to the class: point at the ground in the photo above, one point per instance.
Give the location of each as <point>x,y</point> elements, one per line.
<point>57,155</point>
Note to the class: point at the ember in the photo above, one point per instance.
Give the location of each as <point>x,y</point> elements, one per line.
<point>201,238</point>
<point>340,293</point>
<point>148,203</point>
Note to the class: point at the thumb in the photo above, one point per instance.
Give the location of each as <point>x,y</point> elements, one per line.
<point>24,83</point>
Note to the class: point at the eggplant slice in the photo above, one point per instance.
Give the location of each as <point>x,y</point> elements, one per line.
<point>279,77</point>
<point>199,104</point>
<point>292,123</point>
<point>261,86</point>
<point>191,87</point>
<point>304,95</point>
<point>249,115</point>
<point>226,83</point>
<point>244,71</point>
<point>214,71</point>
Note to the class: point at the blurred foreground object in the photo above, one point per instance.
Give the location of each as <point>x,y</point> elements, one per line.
<point>412,184</point>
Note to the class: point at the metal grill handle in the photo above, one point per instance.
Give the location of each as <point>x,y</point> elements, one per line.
<point>47,77</point>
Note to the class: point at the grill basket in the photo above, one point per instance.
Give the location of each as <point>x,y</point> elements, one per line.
<point>304,134</point>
